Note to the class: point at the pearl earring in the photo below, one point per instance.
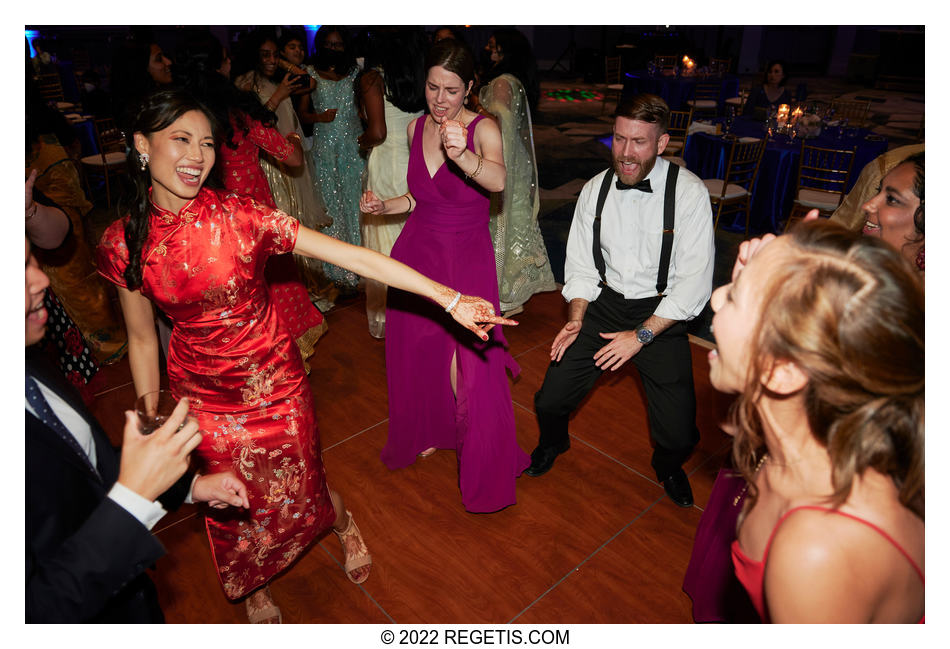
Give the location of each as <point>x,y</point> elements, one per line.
<point>143,161</point>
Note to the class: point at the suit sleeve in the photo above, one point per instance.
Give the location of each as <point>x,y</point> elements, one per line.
<point>76,581</point>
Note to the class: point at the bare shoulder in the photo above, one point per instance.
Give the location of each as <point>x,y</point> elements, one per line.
<point>411,128</point>
<point>823,566</point>
<point>487,127</point>
<point>371,79</point>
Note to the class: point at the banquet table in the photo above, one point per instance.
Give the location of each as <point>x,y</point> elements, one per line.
<point>83,128</point>
<point>675,90</point>
<point>774,190</point>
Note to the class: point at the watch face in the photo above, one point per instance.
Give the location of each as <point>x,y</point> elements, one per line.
<point>644,336</point>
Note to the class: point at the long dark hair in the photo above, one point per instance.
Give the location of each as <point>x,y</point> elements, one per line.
<point>247,51</point>
<point>158,111</point>
<point>321,58</point>
<point>400,52</point>
<point>517,60</point>
<point>199,61</point>
<point>918,161</point>
<point>129,80</point>
<point>774,62</point>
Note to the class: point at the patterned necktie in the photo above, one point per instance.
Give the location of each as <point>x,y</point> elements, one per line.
<point>643,186</point>
<point>45,414</point>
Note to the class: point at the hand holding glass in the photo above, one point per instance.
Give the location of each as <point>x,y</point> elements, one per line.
<point>153,409</point>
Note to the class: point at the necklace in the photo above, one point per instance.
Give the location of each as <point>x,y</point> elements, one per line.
<point>745,487</point>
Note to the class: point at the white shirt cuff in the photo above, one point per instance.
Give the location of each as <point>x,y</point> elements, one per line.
<point>188,499</point>
<point>574,290</point>
<point>147,512</point>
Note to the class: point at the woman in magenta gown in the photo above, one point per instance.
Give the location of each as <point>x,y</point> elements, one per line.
<point>199,255</point>
<point>444,391</point>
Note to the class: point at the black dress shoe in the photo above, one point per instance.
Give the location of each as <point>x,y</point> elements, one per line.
<point>542,458</point>
<point>677,488</point>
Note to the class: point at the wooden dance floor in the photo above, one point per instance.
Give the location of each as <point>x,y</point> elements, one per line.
<point>595,540</point>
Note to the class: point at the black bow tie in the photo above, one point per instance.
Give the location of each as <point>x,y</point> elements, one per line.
<point>643,186</point>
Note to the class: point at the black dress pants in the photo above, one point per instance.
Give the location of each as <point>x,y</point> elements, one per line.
<point>665,366</point>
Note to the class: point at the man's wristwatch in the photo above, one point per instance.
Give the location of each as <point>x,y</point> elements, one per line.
<point>644,335</point>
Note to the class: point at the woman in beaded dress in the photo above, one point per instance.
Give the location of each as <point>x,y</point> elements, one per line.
<point>199,254</point>
<point>389,100</point>
<point>510,94</point>
<point>335,154</point>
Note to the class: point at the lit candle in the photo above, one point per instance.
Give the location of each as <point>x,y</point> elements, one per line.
<point>782,116</point>
<point>796,114</point>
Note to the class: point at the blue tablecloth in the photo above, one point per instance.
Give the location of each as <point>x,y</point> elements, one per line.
<point>675,91</point>
<point>774,189</point>
<point>86,133</point>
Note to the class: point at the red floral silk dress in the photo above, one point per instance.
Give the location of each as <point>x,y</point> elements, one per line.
<point>241,173</point>
<point>233,357</point>
<point>240,170</point>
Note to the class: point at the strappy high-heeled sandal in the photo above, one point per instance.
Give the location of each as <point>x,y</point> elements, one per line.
<point>267,612</point>
<point>355,553</point>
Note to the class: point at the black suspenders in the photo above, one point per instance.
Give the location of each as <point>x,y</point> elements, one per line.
<point>669,216</point>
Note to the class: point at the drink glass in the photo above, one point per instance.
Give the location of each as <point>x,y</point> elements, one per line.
<point>153,409</point>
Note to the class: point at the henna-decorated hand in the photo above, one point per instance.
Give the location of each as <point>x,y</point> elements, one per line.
<point>454,138</point>
<point>472,310</point>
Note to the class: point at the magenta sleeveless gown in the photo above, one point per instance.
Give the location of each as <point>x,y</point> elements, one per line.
<point>447,238</point>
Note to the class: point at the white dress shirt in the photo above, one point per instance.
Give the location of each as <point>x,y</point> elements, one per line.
<point>631,234</point>
<point>147,512</point>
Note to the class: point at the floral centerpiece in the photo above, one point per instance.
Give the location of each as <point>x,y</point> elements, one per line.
<point>809,125</point>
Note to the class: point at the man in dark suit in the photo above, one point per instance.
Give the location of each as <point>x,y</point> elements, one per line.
<point>88,511</point>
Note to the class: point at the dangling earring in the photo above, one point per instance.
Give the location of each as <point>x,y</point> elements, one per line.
<point>143,161</point>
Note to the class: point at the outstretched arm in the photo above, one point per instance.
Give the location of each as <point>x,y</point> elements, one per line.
<point>467,310</point>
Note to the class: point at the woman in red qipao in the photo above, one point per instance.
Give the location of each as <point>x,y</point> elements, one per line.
<point>199,255</point>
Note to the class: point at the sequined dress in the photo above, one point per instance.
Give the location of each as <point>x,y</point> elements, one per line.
<point>521,259</point>
<point>339,167</point>
<point>446,238</point>
<point>232,356</point>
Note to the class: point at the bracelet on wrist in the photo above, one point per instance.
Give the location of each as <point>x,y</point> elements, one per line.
<point>478,168</point>
<point>408,200</point>
<point>454,302</point>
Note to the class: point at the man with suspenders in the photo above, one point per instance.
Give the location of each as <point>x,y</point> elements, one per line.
<point>639,265</point>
